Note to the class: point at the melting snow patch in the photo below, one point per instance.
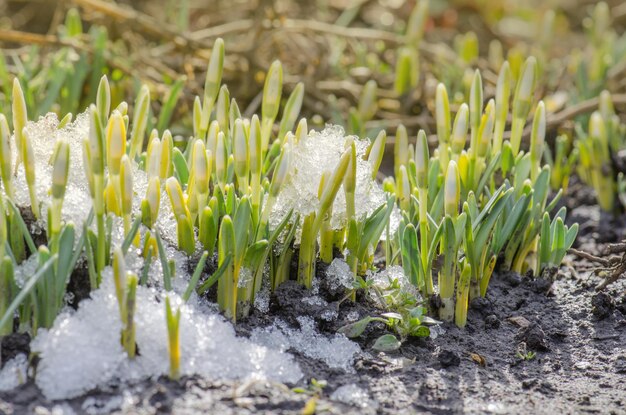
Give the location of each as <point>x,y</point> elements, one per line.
<point>353,395</point>
<point>317,153</point>
<point>262,298</point>
<point>13,373</point>
<point>44,134</point>
<point>339,275</point>
<point>352,315</point>
<point>329,315</point>
<point>82,350</point>
<point>336,351</point>
<point>26,269</point>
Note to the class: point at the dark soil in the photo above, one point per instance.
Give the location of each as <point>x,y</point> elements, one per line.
<point>531,346</point>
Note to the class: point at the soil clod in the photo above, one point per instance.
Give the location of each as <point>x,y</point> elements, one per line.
<point>513,279</point>
<point>534,337</point>
<point>519,321</point>
<point>483,305</point>
<point>541,285</point>
<point>14,344</point>
<point>492,322</point>
<point>602,305</point>
<point>448,358</point>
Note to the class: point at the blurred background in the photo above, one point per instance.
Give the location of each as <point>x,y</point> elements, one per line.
<point>59,50</point>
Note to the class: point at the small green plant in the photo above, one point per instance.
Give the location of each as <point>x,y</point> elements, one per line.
<point>523,353</point>
<point>404,316</point>
<point>314,388</point>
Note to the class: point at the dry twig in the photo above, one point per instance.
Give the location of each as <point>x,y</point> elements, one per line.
<point>612,268</point>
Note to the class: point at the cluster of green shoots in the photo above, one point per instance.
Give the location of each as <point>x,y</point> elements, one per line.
<point>460,209</point>
<point>588,150</point>
<point>591,69</point>
<point>467,206</point>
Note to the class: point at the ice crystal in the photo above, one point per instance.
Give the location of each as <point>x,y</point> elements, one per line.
<point>13,373</point>
<point>339,275</point>
<point>336,351</point>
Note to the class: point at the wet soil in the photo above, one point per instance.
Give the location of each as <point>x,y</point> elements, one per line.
<point>531,346</point>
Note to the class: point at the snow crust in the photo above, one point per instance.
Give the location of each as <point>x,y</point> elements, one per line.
<point>314,154</point>
<point>13,374</point>
<point>82,350</point>
<point>337,352</point>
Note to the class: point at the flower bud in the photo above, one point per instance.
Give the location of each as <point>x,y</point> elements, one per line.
<point>20,115</point>
<point>240,151</point>
<point>116,142</point>
<point>150,205</point>
<point>200,167</point>
<point>368,104</point>
<point>5,156</point>
<point>597,132</point>
<point>103,99</point>
<point>292,110</point>
<point>126,185</point>
<point>377,151</point>
<point>272,92</point>
<point>211,138</point>
<point>333,185</point>
<point>349,180</point>
<point>167,147</point>
<point>485,132</point>
<point>213,80</point>
<point>28,157</point>
<point>421,160</point>
<point>452,195</point>
<point>403,188</point>
<point>401,148</point>
<point>476,99</point>
<point>153,158</point>
<point>537,138</point>
<point>222,109</point>
<point>302,130</point>
<point>503,94</point>
<point>606,104</point>
<point>522,102</point>
<point>196,118</point>
<point>417,23</point>
<point>282,170</point>
<point>175,193</point>
<point>87,167</point>
<point>256,153</point>
<point>459,131</point>
<point>96,143</point>
<point>525,89</point>
<point>221,162</point>
<point>60,168</point>
<point>407,70</point>
<point>442,112</point>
